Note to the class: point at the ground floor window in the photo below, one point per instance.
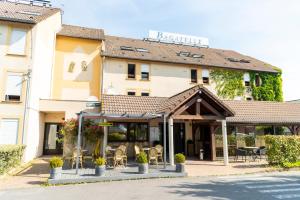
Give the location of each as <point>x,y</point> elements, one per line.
<point>128,131</point>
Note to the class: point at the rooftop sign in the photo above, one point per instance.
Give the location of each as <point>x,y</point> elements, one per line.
<point>175,38</point>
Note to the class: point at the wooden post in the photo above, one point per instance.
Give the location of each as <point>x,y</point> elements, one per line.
<point>213,142</point>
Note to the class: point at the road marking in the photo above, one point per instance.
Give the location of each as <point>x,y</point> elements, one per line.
<point>271,186</point>
<point>286,196</point>
<point>279,190</point>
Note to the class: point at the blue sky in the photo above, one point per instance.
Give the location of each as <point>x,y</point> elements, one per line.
<point>265,29</point>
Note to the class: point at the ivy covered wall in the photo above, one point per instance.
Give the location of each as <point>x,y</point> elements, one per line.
<point>270,88</point>
<point>230,83</point>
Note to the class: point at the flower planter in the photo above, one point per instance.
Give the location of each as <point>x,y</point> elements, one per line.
<point>180,168</point>
<point>55,173</point>
<point>143,168</point>
<point>100,170</point>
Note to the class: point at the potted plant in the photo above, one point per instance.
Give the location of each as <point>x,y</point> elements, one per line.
<point>143,163</point>
<point>56,164</point>
<point>180,160</point>
<point>100,166</point>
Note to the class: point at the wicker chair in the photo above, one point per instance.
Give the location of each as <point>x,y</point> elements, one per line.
<point>124,149</point>
<point>153,156</point>
<point>74,158</point>
<point>118,158</point>
<point>137,151</point>
<point>109,156</point>
<point>160,151</point>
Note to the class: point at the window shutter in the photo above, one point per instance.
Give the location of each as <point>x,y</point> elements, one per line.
<point>247,77</point>
<point>14,84</point>
<point>17,42</point>
<point>9,131</point>
<point>145,68</point>
<point>205,73</point>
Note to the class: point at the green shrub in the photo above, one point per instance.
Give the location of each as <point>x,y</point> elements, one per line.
<point>56,162</point>
<point>10,156</point>
<point>291,165</point>
<point>142,158</point>
<point>179,158</point>
<point>282,149</point>
<point>100,161</point>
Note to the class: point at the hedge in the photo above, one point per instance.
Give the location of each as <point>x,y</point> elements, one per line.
<point>10,156</point>
<point>282,149</point>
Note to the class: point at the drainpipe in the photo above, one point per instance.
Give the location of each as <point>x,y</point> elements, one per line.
<point>26,104</point>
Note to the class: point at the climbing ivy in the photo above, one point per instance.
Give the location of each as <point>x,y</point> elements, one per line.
<point>270,88</point>
<point>229,83</point>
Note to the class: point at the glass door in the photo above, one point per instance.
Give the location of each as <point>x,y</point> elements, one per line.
<point>51,144</point>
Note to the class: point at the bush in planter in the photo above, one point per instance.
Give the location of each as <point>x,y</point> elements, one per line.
<point>100,166</point>
<point>56,164</point>
<point>142,159</point>
<point>179,160</point>
<point>10,156</point>
<point>291,165</point>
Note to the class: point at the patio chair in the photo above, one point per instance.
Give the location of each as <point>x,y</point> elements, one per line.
<point>124,149</point>
<point>118,158</point>
<point>160,150</point>
<point>137,151</point>
<point>240,152</point>
<point>109,156</point>
<point>74,157</point>
<point>153,156</point>
<point>261,152</point>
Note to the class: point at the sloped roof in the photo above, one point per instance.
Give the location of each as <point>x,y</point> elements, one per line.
<point>18,12</point>
<point>163,52</point>
<point>81,32</point>
<point>264,112</point>
<point>242,112</point>
<point>123,104</point>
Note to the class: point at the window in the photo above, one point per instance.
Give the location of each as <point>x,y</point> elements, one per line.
<point>257,80</point>
<point>145,94</point>
<point>130,93</point>
<point>9,131</point>
<point>128,132</point>
<point>193,75</point>
<point>131,71</point>
<point>205,76</point>
<point>117,132</point>
<point>13,87</point>
<point>145,72</point>
<point>17,43</point>
<point>247,79</point>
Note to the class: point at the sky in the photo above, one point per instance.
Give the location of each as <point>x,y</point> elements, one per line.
<point>268,30</point>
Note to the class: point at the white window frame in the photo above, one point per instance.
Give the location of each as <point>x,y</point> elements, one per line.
<point>205,74</point>
<point>17,47</point>
<point>3,133</point>
<point>10,84</point>
<point>247,79</point>
<point>145,68</point>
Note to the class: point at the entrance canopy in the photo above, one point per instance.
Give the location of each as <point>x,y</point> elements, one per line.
<point>196,103</point>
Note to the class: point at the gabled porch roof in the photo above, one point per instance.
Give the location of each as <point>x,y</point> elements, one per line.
<point>126,106</point>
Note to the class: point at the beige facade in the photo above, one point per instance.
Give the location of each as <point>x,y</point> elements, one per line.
<point>13,63</point>
<point>164,79</point>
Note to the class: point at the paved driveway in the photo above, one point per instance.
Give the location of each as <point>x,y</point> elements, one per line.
<point>253,187</point>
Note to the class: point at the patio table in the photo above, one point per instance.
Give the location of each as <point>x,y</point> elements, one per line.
<point>251,151</point>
